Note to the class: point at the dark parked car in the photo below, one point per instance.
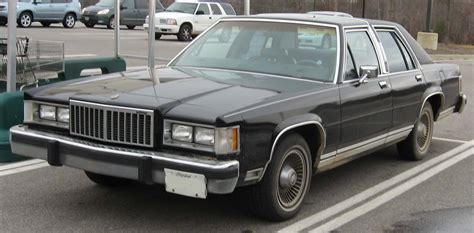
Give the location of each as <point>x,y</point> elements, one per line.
<point>132,13</point>
<point>256,109</point>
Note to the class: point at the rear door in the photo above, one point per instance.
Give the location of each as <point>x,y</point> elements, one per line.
<point>366,109</point>
<point>216,12</point>
<point>406,78</point>
<point>58,9</point>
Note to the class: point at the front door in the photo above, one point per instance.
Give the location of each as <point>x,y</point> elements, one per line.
<point>366,108</point>
<point>202,19</point>
<point>43,9</point>
<point>128,13</point>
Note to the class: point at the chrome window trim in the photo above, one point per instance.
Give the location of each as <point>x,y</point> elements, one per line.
<point>322,142</point>
<point>251,72</point>
<point>404,41</point>
<point>338,36</point>
<point>378,54</point>
<point>403,44</point>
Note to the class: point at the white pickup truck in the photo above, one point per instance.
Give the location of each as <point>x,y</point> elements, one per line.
<point>186,19</point>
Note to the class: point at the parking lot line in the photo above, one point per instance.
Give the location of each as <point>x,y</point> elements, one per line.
<point>20,164</point>
<point>391,194</point>
<point>371,192</point>
<point>449,140</point>
<point>23,169</point>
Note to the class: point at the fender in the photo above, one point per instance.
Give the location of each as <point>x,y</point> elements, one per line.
<point>295,122</point>
<point>432,91</point>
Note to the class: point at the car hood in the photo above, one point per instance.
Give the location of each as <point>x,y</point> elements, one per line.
<point>171,15</point>
<point>94,9</point>
<point>203,94</point>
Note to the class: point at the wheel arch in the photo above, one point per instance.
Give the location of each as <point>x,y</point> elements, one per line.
<point>310,127</point>
<point>187,23</point>
<point>27,11</point>
<point>436,98</point>
<point>71,12</point>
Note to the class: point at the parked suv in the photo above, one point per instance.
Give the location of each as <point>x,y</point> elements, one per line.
<point>132,13</point>
<point>44,11</point>
<point>186,19</point>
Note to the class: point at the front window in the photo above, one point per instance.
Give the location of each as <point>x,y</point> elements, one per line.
<point>182,7</point>
<point>264,47</point>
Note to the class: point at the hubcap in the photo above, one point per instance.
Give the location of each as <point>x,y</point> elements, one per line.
<point>25,20</point>
<point>423,131</point>
<point>70,21</point>
<point>112,22</point>
<point>186,33</point>
<point>292,180</point>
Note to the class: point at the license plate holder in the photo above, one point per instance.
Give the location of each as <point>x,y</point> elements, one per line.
<point>86,18</point>
<point>186,183</point>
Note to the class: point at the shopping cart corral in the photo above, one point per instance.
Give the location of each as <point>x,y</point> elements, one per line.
<point>35,60</point>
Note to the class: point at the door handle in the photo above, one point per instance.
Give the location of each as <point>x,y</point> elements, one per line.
<point>383,84</point>
<point>418,77</point>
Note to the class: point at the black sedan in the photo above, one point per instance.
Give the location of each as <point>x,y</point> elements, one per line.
<point>248,103</point>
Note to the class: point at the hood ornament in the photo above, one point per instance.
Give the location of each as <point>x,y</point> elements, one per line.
<point>114,97</point>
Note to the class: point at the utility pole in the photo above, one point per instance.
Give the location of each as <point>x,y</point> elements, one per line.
<point>429,13</point>
<point>247,7</point>
<point>117,28</point>
<point>11,46</point>
<point>363,8</point>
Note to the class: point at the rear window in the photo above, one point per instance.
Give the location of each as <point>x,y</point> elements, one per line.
<point>228,9</point>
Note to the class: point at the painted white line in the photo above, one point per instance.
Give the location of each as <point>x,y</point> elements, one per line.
<point>23,169</point>
<point>370,192</point>
<point>449,140</point>
<point>20,164</point>
<point>391,194</point>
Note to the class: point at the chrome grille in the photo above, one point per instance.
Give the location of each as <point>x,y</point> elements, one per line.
<point>129,126</point>
<point>162,21</point>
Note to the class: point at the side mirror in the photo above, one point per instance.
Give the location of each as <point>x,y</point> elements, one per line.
<point>366,72</point>
<point>199,12</point>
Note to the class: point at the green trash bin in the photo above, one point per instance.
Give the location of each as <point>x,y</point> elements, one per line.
<point>11,113</point>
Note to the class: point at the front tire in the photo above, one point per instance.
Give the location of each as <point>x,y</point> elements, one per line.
<point>157,36</point>
<point>416,146</point>
<point>25,20</point>
<point>108,181</point>
<point>69,20</point>
<point>131,27</point>
<point>111,23</point>
<point>89,25</point>
<point>185,33</point>
<point>280,194</point>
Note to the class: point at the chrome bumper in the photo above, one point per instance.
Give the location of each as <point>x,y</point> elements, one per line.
<point>144,166</point>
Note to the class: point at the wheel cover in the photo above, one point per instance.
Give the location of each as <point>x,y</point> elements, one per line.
<point>70,21</point>
<point>186,33</point>
<point>25,20</point>
<point>293,179</point>
<point>424,131</point>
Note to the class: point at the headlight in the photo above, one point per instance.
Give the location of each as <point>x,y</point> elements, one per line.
<point>103,12</point>
<point>204,136</point>
<point>47,112</point>
<point>182,133</point>
<point>171,22</point>
<point>147,19</point>
<point>63,115</point>
<point>83,10</point>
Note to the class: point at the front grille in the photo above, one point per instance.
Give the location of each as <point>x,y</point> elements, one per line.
<point>129,126</point>
<point>162,21</point>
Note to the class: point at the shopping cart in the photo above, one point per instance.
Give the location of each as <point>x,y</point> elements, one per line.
<point>34,60</point>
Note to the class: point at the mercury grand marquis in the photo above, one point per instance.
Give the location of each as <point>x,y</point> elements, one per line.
<point>248,103</point>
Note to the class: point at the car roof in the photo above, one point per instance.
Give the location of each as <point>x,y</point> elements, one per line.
<point>336,20</point>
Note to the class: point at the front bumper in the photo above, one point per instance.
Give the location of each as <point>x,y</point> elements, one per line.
<point>163,29</point>
<point>144,166</point>
<point>95,19</point>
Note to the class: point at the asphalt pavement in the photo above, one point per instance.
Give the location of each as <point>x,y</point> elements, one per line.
<point>376,193</point>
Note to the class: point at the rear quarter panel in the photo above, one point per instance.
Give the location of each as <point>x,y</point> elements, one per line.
<point>447,76</point>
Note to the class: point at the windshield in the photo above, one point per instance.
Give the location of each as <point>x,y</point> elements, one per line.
<point>285,49</point>
<point>105,3</point>
<point>182,7</point>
